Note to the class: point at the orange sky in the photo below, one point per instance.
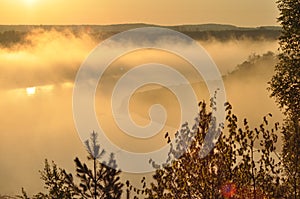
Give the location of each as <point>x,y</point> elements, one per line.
<point>166,12</point>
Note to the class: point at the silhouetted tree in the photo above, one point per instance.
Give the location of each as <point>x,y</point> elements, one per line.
<point>285,87</point>
<point>241,165</point>
<point>55,182</point>
<point>102,181</point>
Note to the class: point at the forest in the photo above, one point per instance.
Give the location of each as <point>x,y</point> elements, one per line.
<point>12,34</point>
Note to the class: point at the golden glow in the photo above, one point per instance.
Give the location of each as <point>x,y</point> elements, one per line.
<point>29,2</point>
<point>167,12</point>
<point>30,91</point>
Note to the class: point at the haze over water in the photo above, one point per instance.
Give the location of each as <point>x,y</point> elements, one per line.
<point>39,124</point>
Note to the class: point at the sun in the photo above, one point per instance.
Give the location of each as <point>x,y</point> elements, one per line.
<point>29,2</point>
<point>30,91</point>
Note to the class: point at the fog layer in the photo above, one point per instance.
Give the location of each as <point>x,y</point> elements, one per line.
<point>40,125</point>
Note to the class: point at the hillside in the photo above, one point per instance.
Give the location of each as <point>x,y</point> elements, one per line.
<point>11,34</point>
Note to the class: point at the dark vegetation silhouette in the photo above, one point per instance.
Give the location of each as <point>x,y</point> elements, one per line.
<point>100,181</point>
<point>285,87</point>
<point>11,35</point>
<point>243,164</point>
<point>251,66</point>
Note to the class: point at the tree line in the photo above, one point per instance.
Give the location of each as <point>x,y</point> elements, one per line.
<point>9,38</point>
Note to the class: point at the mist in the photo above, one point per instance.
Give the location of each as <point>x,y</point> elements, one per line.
<point>40,125</point>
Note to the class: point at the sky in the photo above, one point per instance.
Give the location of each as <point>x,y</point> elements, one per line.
<point>167,12</point>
